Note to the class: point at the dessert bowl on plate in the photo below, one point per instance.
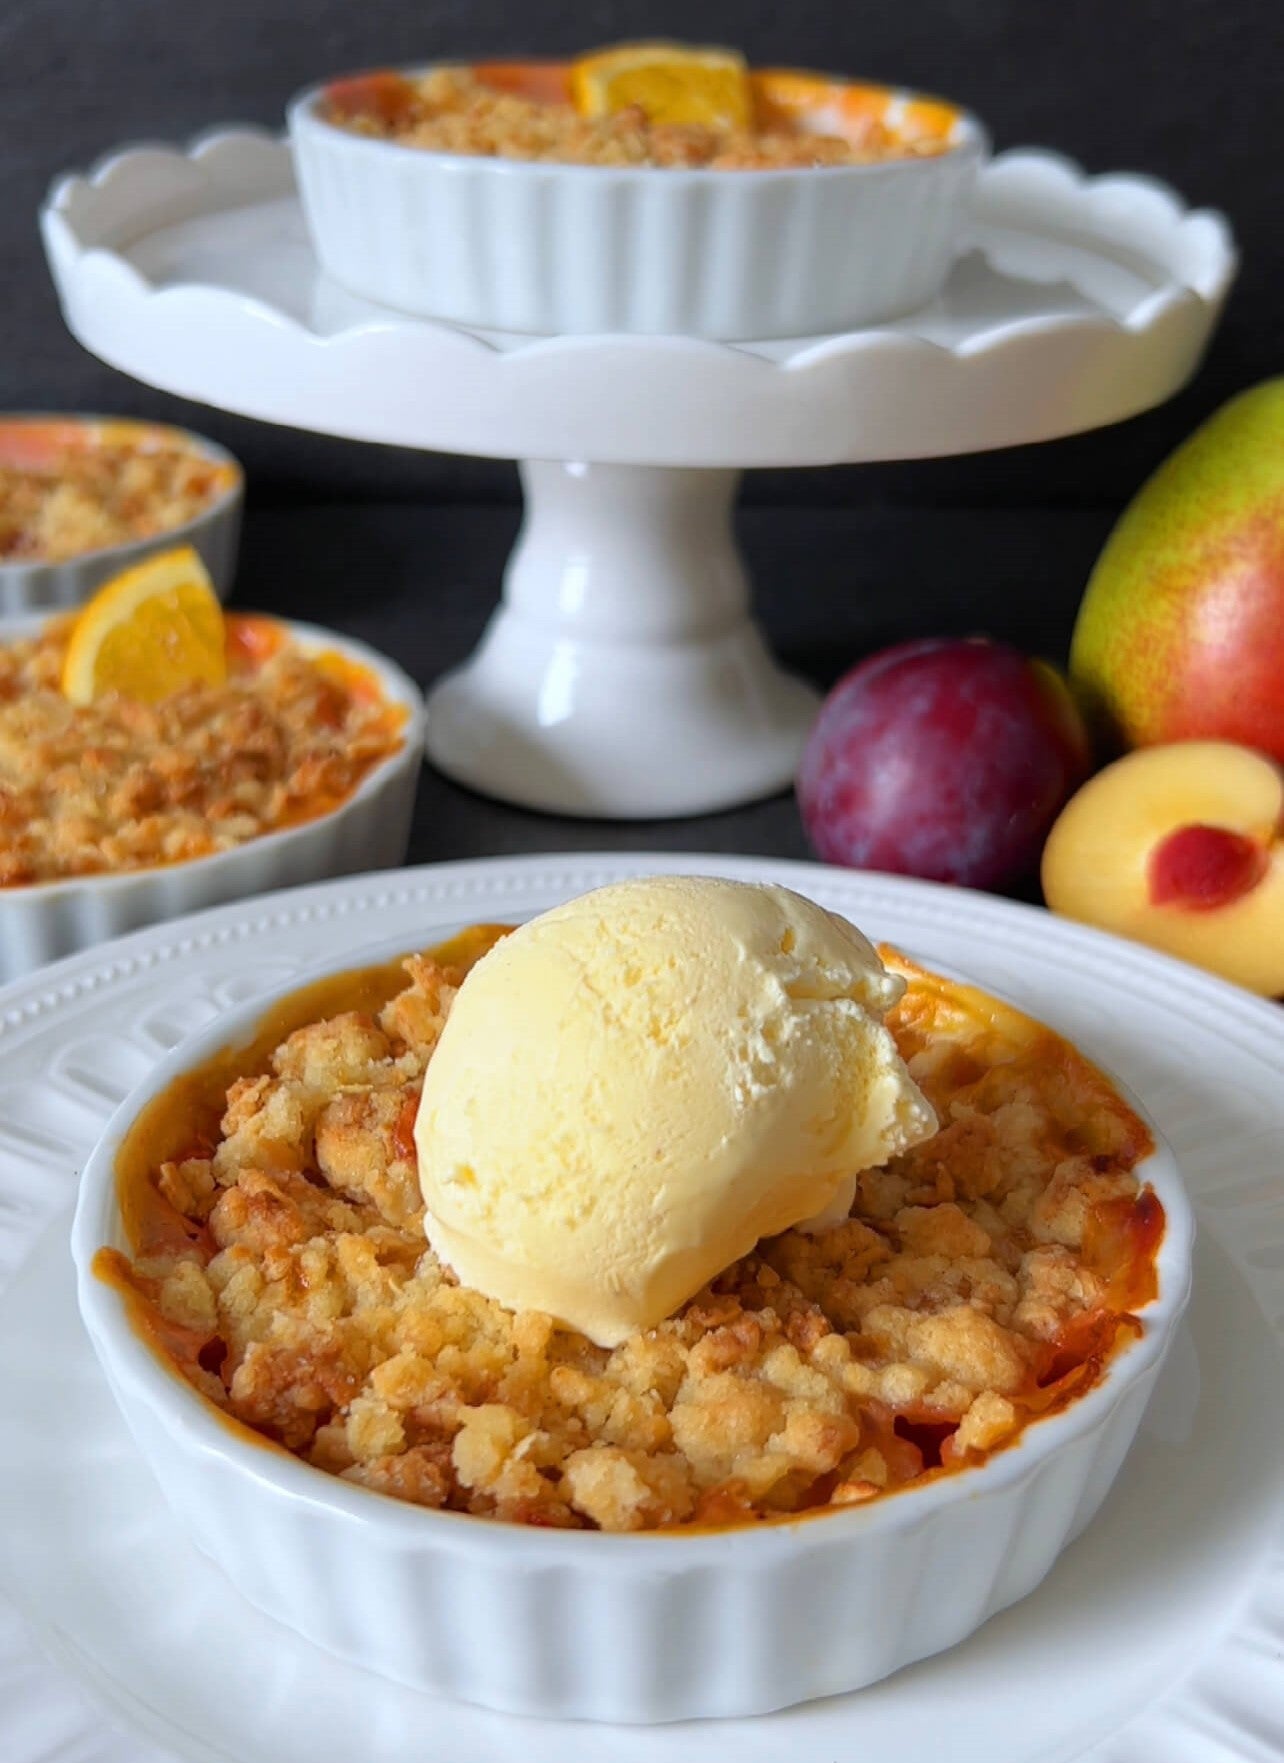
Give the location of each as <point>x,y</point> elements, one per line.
<point>324,1363</point>
<point>509,222</point>
<point>155,827</point>
<point>84,497</point>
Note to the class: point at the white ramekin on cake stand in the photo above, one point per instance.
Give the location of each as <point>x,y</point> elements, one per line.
<point>587,250</point>
<point>622,674</point>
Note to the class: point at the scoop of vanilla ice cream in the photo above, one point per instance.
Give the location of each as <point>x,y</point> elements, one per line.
<point>633,1089</point>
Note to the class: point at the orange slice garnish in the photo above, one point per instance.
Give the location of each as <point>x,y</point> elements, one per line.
<point>148,632</point>
<point>667,82</point>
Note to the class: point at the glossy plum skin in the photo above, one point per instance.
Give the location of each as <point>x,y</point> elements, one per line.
<point>946,758</point>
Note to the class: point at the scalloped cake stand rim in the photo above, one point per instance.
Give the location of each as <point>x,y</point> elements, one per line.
<point>849,396</point>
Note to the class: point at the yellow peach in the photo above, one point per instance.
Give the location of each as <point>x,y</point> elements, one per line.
<point>1180,846</point>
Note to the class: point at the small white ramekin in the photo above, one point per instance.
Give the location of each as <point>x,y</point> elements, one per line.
<point>586,1625</point>
<point>215,531</point>
<point>370,830</point>
<point>549,249</point>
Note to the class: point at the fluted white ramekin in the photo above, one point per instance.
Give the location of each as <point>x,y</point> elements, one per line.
<point>370,830</point>
<point>215,531</point>
<point>581,1624</point>
<point>551,249</point>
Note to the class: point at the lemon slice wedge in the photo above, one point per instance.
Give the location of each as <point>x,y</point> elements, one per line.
<point>668,82</point>
<point>148,632</point>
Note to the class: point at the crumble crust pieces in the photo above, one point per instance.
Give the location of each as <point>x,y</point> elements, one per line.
<point>91,497</point>
<point>450,110</point>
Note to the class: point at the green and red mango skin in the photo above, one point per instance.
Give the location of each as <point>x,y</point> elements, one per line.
<point>1181,631</point>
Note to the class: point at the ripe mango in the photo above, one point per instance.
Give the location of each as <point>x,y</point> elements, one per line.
<point>1181,632</point>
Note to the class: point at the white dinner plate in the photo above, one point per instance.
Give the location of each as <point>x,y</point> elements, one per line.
<point>1157,1638</point>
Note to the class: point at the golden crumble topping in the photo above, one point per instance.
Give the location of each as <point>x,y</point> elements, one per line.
<point>70,488</point>
<point>982,1280</point>
<point>118,785</point>
<point>453,110</point>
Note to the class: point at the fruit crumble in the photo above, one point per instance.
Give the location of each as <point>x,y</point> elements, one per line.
<point>981,1281</point>
<point>118,785</point>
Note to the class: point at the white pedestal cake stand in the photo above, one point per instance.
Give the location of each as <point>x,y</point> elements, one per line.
<point>622,674</point>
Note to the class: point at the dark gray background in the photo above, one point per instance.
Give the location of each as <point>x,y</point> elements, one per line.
<point>1191,90</point>
<point>402,549</point>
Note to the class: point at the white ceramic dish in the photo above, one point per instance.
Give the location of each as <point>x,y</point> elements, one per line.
<point>579,1625</point>
<point>570,250</point>
<point>215,531</point>
<point>370,830</point>
<point>1157,1635</point>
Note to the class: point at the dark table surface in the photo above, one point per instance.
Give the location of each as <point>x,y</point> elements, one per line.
<point>831,585</point>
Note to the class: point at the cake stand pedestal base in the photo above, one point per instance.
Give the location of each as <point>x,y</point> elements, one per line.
<point>622,675</point>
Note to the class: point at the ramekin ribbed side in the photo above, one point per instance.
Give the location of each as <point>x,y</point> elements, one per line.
<point>645,1628</point>
<point>551,249</point>
<point>371,830</point>
<point>733,1632</point>
<point>215,532</point>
